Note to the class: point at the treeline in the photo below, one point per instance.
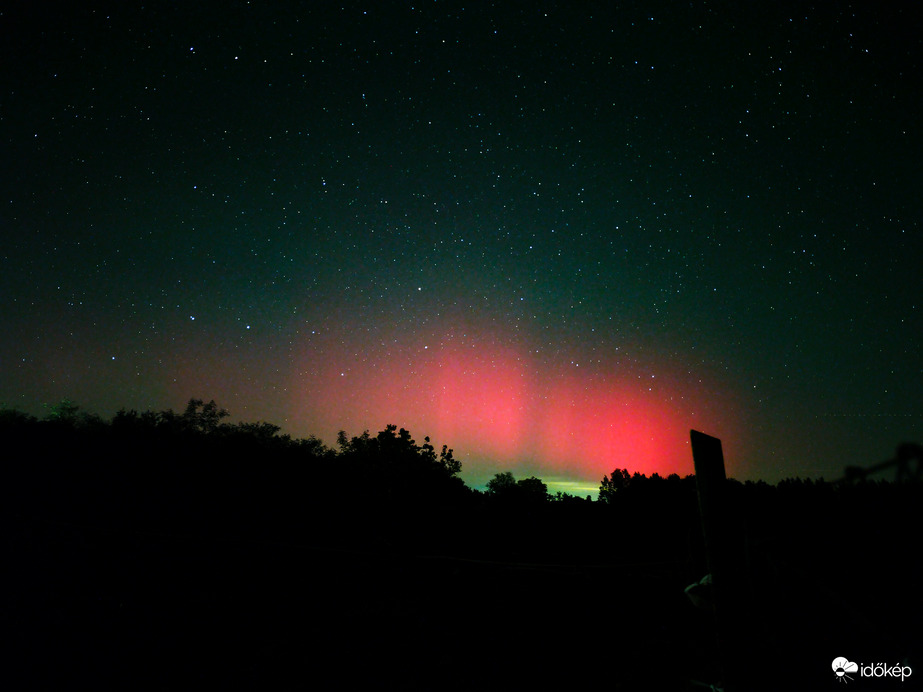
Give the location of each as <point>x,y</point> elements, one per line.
<point>196,549</point>
<point>194,471</point>
<point>389,467</point>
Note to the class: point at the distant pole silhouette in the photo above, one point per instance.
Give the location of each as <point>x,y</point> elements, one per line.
<point>906,471</point>
<point>711,484</point>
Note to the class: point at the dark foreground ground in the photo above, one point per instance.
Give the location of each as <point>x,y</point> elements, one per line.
<point>113,607</point>
<point>150,575</point>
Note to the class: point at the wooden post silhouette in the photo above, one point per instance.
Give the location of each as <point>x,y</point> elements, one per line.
<point>711,484</point>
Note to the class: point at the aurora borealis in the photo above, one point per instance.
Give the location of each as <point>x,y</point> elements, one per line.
<point>554,238</point>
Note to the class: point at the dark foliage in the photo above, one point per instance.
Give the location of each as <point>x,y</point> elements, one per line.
<point>171,550</point>
<point>504,489</point>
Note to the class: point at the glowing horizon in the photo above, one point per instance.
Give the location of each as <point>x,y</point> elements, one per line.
<point>502,406</point>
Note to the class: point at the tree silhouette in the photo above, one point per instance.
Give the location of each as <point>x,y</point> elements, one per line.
<point>569,498</point>
<point>501,485</point>
<point>532,489</point>
<point>203,417</point>
<point>69,414</point>
<point>504,487</point>
<point>446,459</point>
<point>64,411</point>
<point>610,486</point>
<point>392,468</point>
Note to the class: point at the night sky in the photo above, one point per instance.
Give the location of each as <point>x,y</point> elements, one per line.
<point>554,236</point>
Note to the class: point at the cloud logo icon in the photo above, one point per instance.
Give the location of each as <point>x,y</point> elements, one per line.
<point>842,666</point>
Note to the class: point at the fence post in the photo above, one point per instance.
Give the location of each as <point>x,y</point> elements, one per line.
<point>714,510</point>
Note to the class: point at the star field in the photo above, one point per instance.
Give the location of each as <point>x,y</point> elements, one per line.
<point>553,238</point>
